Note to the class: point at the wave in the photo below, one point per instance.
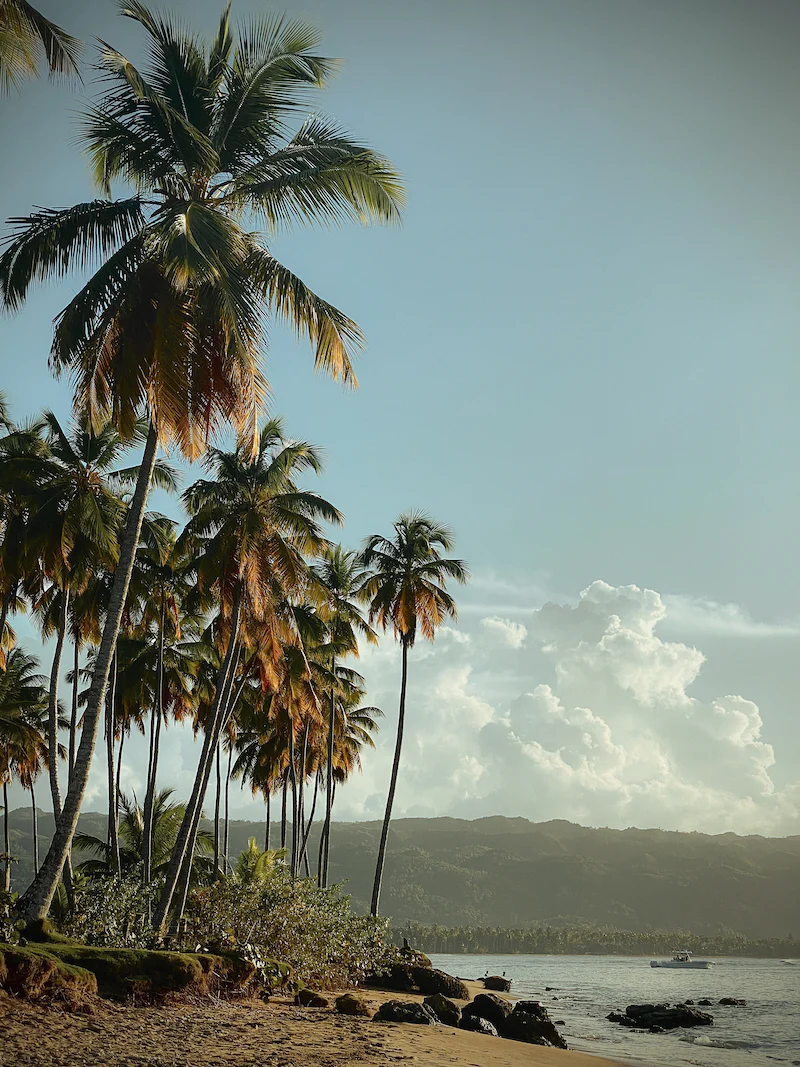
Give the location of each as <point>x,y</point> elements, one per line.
<point>715,1042</point>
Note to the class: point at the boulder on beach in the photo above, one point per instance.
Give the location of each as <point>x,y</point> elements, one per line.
<point>309,998</point>
<point>488,1006</point>
<point>445,1010</point>
<point>647,1016</point>
<point>530,1022</point>
<point>477,1025</point>
<point>350,1004</point>
<point>404,1011</point>
<point>430,980</point>
<point>497,983</point>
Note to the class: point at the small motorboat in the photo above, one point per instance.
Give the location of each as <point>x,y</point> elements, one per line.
<point>683,961</point>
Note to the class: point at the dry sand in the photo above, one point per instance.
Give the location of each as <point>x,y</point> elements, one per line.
<point>252,1034</point>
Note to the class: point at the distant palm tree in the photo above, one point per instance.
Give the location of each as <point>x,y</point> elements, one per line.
<point>27,38</point>
<point>406,593</point>
<point>171,324</point>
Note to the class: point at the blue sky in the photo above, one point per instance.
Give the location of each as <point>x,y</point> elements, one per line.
<point>582,343</point>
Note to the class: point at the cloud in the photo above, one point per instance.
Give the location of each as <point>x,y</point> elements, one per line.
<point>505,631</point>
<point>700,615</point>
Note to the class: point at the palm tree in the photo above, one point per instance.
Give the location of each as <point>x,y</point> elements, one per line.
<point>23,697</point>
<point>253,524</point>
<point>171,324</point>
<point>27,38</point>
<point>342,577</point>
<point>406,592</point>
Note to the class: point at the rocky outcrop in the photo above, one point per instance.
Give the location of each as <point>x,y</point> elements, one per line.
<point>350,1004</point>
<point>497,983</point>
<point>477,1025</point>
<point>430,980</point>
<point>403,1011</point>
<point>445,1010</point>
<point>649,1016</point>
<point>530,1022</point>
<point>309,998</point>
<point>488,1006</point>
<point>733,1002</point>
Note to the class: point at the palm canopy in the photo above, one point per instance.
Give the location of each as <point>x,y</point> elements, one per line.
<point>406,586</point>
<point>172,321</point>
<point>27,38</point>
<point>23,701</point>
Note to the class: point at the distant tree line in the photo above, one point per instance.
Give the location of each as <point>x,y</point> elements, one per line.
<point>585,938</point>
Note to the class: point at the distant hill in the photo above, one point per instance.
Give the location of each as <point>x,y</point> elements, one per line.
<point>511,872</point>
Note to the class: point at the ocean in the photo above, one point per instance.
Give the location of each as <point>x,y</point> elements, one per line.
<point>584,989</point>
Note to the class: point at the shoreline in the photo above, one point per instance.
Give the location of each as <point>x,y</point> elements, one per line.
<point>249,1033</point>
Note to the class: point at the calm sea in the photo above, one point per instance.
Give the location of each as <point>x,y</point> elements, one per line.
<point>586,988</point>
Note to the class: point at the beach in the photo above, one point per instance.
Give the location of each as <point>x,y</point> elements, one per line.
<point>252,1034</point>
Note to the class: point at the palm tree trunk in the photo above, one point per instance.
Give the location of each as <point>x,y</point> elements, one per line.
<point>307,829</point>
<point>35,828</point>
<point>73,716</point>
<point>6,603</point>
<point>326,832</point>
<point>376,889</point>
<point>293,779</point>
<point>6,841</point>
<point>217,799</point>
<point>36,901</point>
<point>111,729</point>
<point>227,809</point>
<point>283,810</point>
<point>119,774</point>
<point>267,821</point>
<point>181,848</point>
<point>155,739</point>
<point>52,704</point>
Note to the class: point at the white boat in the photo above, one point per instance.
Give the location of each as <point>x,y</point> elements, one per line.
<point>683,961</point>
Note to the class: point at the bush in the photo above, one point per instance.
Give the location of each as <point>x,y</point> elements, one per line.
<point>310,928</point>
<point>113,912</point>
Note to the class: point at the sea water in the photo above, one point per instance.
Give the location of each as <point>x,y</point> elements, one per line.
<point>584,989</point>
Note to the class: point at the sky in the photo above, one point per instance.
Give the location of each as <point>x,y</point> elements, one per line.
<point>581,354</point>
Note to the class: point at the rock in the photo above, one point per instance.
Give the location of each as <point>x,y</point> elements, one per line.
<point>412,957</point>
<point>733,1002</point>
<point>477,1025</point>
<point>530,1022</point>
<point>398,977</point>
<point>403,1011</point>
<point>549,988</point>
<point>349,1004</point>
<point>689,1002</point>
<point>445,1010</point>
<point>649,1015</point>
<point>494,981</point>
<point>559,1022</point>
<point>655,1029</point>
<point>308,998</point>
<point>430,980</point>
<point>705,1001</point>
<point>490,1007</point>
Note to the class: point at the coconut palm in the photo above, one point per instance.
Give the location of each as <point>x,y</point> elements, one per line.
<point>342,577</point>
<point>26,39</point>
<point>170,326</point>
<point>407,594</point>
<point>254,524</point>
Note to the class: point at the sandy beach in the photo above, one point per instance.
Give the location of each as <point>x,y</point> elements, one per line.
<point>251,1034</point>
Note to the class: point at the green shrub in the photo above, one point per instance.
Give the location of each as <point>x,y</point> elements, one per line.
<point>113,912</point>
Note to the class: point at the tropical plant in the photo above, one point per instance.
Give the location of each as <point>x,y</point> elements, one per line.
<point>407,594</point>
<point>26,39</point>
<point>170,326</point>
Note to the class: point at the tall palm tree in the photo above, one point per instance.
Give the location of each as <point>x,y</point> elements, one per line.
<point>27,38</point>
<point>171,325</point>
<point>407,594</point>
<point>342,578</point>
<point>254,524</point>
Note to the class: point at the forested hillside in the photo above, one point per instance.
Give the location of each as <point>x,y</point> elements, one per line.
<point>512,873</point>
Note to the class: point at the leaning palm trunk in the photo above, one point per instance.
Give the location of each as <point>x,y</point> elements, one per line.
<point>283,809</point>
<point>35,829</point>
<point>376,889</point>
<point>155,740</point>
<point>6,841</point>
<point>293,780</point>
<point>182,849</point>
<point>267,822</point>
<point>227,808</point>
<point>52,705</point>
<point>217,799</point>
<point>73,715</point>
<point>308,825</point>
<point>111,729</point>
<point>326,831</point>
<point>36,901</point>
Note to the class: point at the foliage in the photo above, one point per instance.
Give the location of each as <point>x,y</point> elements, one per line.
<point>113,912</point>
<point>312,929</point>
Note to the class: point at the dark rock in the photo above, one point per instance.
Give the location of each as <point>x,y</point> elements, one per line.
<point>490,1007</point>
<point>430,980</point>
<point>549,988</point>
<point>308,998</point>
<point>655,1029</point>
<point>530,1022</point>
<point>399,977</point>
<point>705,1001</point>
<point>494,981</point>
<point>445,1010</point>
<point>734,1002</point>
<point>559,1022</point>
<point>402,1011</point>
<point>689,1002</point>
<point>649,1015</point>
<point>349,1004</point>
<point>413,958</point>
<point>477,1025</point>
